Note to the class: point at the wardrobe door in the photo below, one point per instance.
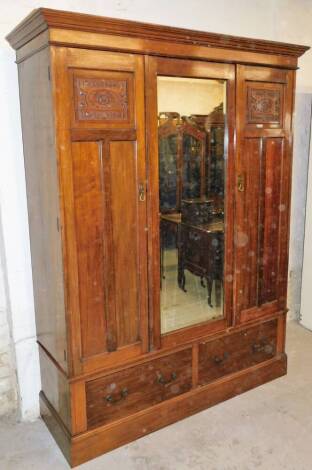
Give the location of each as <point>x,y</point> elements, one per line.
<point>264,109</point>
<point>101,125</point>
<point>190,242</point>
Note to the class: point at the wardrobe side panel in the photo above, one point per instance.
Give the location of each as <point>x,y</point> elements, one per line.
<point>43,203</point>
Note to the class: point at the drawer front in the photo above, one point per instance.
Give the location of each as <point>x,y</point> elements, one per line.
<point>235,352</point>
<point>123,393</point>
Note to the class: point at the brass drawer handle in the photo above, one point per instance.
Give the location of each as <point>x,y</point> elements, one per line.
<point>123,395</point>
<point>161,380</point>
<point>256,347</point>
<point>262,347</point>
<point>220,359</point>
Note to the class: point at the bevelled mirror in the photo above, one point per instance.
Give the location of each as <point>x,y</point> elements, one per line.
<point>191,150</point>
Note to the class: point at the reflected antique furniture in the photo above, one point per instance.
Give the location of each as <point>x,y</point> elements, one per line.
<point>200,244</point>
<point>182,151</point>
<point>197,211</point>
<point>182,172</point>
<point>214,125</point>
<point>200,248</point>
<point>88,90</point>
<point>200,251</point>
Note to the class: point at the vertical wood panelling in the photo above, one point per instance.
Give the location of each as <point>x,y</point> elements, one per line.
<point>247,233</point>
<point>264,106</point>
<point>108,249</point>
<point>107,218</point>
<point>105,166</point>
<point>258,221</point>
<point>124,209</point>
<point>286,168</point>
<point>90,222</point>
<point>272,210</point>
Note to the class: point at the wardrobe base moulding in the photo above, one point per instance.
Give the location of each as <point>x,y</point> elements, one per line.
<point>88,445</point>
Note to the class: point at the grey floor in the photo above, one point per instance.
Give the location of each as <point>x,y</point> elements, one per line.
<point>267,428</point>
<point>178,308</point>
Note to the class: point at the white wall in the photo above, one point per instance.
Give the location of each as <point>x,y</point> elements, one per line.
<point>295,25</point>
<point>188,96</point>
<point>8,385</point>
<point>15,235</point>
<point>241,17</point>
<point>306,297</point>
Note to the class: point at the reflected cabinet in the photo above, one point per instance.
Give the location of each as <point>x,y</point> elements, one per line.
<point>158,170</point>
<point>192,167</point>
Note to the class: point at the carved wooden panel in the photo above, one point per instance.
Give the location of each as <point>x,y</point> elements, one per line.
<point>264,105</point>
<point>102,98</point>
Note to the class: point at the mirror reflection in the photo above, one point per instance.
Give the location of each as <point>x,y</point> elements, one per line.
<point>191,123</point>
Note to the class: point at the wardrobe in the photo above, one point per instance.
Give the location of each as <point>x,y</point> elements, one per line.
<point>122,254</point>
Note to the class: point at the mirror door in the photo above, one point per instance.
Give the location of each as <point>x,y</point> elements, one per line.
<point>190,114</point>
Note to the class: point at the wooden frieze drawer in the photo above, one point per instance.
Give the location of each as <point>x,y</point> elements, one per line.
<point>126,392</point>
<point>238,351</point>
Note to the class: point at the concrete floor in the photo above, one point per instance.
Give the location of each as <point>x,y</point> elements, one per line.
<point>267,428</point>
<point>180,309</point>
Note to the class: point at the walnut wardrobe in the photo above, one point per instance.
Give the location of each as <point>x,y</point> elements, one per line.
<point>158,170</point>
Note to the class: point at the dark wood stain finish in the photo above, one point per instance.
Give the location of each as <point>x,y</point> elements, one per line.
<point>44,18</point>
<point>161,66</point>
<point>106,159</point>
<point>137,388</point>
<point>55,385</point>
<point>89,116</point>
<point>102,99</point>
<point>93,443</point>
<point>43,205</point>
<point>88,194</point>
<point>263,136</point>
<point>236,352</point>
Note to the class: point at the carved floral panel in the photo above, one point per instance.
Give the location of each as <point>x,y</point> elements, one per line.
<point>101,99</point>
<point>264,105</point>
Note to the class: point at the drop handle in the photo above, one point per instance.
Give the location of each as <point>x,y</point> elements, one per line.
<point>241,183</point>
<point>141,192</point>
<point>262,347</point>
<point>161,380</point>
<point>123,395</point>
<point>220,359</point>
